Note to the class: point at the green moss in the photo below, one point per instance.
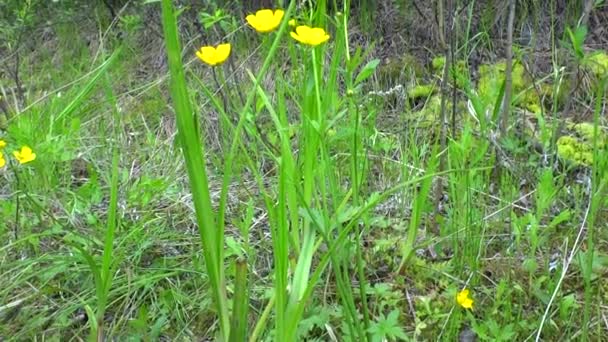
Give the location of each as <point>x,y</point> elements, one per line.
<point>492,77</point>
<point>395,68</point>
<point>530,100</point>
<point>459,73</point>
<point>429,114</point>
<point>438,63</point>
<point>574,150</point>
<point>420,91</point>
<point>578,147</point>
<point>547,92</point>
<point>585,130</point>
<point>597,63</point>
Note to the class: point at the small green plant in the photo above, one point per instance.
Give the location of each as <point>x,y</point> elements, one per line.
<point>387,328</point>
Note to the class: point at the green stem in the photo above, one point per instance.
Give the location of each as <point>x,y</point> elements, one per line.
<point>238,328</point>
<point>261,324</point>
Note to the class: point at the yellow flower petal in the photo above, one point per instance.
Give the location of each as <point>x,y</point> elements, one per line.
<point>222,52</point>
<point>214,56</point>
<point>291,22</point>
<point>303,30</point>
<point>265,20</point>
<point>252,20</point>
<point>2,161</point>
<point>295,36</point>
<point>25,155</point>
<point>2,143</point>
<point>312,36</point>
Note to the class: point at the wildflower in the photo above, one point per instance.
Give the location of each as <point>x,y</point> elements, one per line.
<point>312,36</point>
<point>2,160</point>
<point>291,22</point>
<point>214,56</point>
<point>265,20</point>
<point>2,143</point>
<point>25,155</point>
<point>464,300</point>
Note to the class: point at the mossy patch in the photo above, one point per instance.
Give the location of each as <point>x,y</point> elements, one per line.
<point>597,63</point>
<point>572,149</point>
<point>458,73</point>
<point>492,78</point>
<point>437,63</point>
<point>430,113</point>
<point>396,68</point>
<point>548,91</point>
<point>420,91</point>
<point>577,147</point>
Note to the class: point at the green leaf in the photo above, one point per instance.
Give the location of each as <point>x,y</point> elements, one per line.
<point>562,217</point>
<point>577,39</point>
<point>388,328</point>
<point>367,71</point>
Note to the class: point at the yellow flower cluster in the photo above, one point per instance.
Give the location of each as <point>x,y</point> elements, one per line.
<point>264,21</point>
<point>25,155</point>
<point>463,299</point>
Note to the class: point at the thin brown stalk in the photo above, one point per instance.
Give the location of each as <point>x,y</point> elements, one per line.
<point>506,105</point>
<point>444,96</point>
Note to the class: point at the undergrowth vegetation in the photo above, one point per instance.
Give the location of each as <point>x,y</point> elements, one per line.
<point>233,171</point>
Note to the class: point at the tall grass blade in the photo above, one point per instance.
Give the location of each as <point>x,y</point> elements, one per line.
<point>193,152</point>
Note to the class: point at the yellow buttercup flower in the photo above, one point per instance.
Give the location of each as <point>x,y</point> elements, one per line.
<point>312,36</point>
<point>25,155</point>
<point>464,300</point>
<point>2,160</point>
<point>214,55</point>
<point>265,20</point>
<point>2,143</point>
